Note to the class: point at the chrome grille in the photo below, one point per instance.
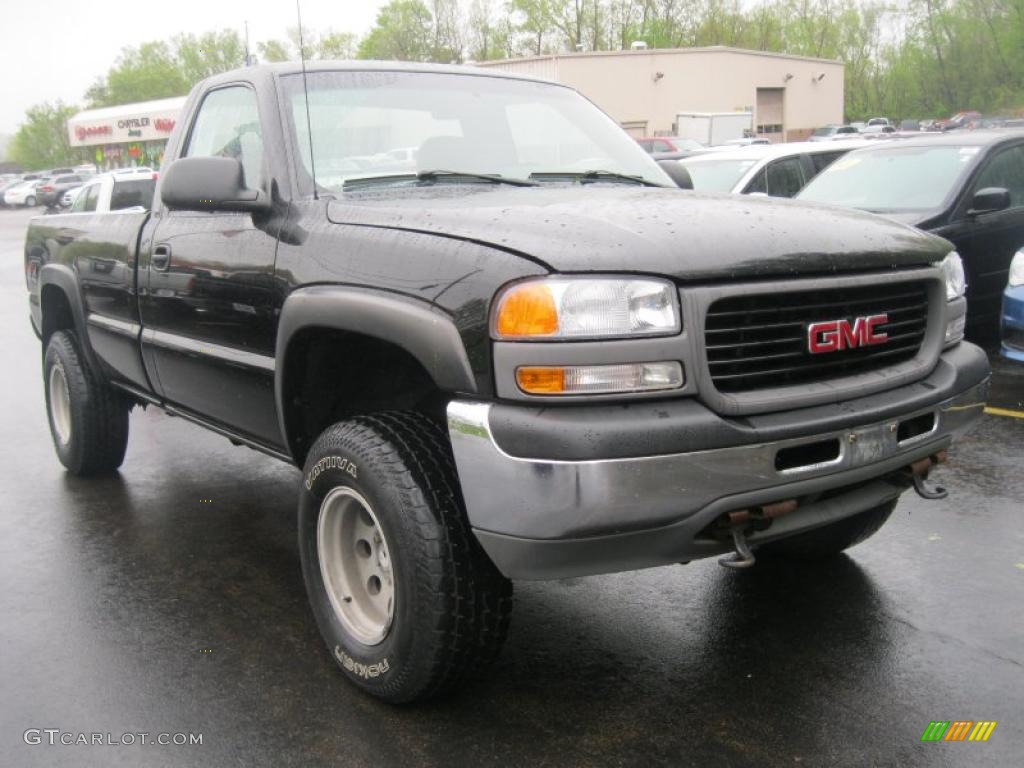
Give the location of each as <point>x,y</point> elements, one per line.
<point>760,341</point>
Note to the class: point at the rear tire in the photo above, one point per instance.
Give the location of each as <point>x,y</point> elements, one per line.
<point>381,516</point>
<point>30,202</point>
<point>829,540</point>
<point>88,419</point>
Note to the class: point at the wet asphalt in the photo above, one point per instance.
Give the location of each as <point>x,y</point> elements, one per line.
<point>168,599</point>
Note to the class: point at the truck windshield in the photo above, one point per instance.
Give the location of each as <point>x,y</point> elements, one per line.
<point>892,179</point>
<point>711,175</point>
<point>382,124</point>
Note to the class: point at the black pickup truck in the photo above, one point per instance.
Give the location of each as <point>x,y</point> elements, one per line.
<point>501,344</point>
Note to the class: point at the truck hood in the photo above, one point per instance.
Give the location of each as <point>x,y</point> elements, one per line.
<point>617,228</point>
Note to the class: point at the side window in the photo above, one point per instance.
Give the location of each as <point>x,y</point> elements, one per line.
<point>228,125</point>
<point>1005,169</point>
<point>662,146</point>
<point>91,196</point>
<point>131,194</point>
<point>758,184</point>
<point>82,198</point>
<point>822,160</point>
<point>785,177</point>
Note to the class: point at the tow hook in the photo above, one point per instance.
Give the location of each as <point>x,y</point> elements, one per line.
<point>919,475</point>
<point>738,520</point>
<point>742,557</point>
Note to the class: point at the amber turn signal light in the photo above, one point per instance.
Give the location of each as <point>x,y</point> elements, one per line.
<point>541,381</point>
<point>527,310</point>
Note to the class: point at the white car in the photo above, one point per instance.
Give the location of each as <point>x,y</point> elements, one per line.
<point>777,170</point>
<point>23,194</point>
<point>128,190</point>
<point>746,142</point>
<point>835,132</point>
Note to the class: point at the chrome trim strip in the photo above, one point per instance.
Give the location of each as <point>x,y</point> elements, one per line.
<point>546,499</point>
<point>120,327</point>
<point>173,341</point>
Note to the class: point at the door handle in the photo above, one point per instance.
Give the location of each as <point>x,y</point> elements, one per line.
<point>161,260</point>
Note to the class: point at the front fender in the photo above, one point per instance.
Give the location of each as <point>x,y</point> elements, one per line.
<point>422,330</point>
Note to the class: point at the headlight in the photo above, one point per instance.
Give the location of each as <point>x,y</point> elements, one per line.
<point>554,309</point>
<point>1017,269</point>
<point>953,270</point>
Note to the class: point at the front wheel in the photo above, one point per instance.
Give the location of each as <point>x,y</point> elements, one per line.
<point>829,540</point>
<point>407,601</point>
<point>30,202</point>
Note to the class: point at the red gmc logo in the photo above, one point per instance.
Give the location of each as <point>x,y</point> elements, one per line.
<point>837,335</point>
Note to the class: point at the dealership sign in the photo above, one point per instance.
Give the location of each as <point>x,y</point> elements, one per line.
<point>149,121</point>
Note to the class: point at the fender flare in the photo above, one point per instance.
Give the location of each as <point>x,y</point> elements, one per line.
<point>63,277</point>
<point>422,330</point>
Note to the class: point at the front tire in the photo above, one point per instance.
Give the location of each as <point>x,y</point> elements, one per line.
<point>407,601</point>
<point>88,419</point>
<point>30,202</point>
<point>829,540</point>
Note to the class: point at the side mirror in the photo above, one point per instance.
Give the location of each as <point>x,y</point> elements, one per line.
<point>677,172</point>
<point>209,184</point>
<point>989,200</point>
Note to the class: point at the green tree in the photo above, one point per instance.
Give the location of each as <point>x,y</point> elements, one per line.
<point>157,69</point>
<point>208,54</point>
<point>274,50</point>
<point>337,45</point>
<point>404,30</point>
<point>42,139</point>
<point>150,71</point>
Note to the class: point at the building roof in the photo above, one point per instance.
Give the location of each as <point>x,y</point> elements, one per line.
<point>130,110</point>
<point>721,49</point>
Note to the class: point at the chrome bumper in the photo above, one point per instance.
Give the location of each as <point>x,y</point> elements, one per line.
<point>511,499</point>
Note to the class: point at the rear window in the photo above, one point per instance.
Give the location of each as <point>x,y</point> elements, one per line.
<point>129,194</point>
<point>717,175</point>
<point>66,179</point>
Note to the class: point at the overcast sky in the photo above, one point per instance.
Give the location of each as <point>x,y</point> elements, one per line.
<point>55,49</point>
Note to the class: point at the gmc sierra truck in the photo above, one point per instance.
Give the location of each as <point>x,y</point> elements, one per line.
<point>501,344</point>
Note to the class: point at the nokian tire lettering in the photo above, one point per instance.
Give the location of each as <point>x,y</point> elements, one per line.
<point>451,606</point>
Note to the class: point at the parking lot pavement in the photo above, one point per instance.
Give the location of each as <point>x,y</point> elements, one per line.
<point>168,599</point>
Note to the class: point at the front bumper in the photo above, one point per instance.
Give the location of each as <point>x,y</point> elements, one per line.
<point>543,518</point>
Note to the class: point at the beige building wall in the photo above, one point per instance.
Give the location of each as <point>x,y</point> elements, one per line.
<point>651,86</point>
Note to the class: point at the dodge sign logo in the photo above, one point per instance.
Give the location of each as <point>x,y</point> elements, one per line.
<point>837,335</point>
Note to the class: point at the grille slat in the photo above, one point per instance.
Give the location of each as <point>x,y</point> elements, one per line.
<point>759,341</point>
<point>818,307</point>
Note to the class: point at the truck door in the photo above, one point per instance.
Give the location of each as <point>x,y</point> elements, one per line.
<point>995,237</point>
<point>210,307</point>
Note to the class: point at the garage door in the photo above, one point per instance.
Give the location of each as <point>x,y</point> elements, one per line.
<point>769,113</point>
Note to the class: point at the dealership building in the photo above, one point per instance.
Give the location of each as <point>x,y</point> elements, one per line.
<point>644,89</point>
<point>125,136</point>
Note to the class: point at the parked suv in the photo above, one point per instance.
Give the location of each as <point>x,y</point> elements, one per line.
<point>778,170</point>
<point>50,192</point>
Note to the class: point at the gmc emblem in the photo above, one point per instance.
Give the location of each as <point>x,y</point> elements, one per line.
<point>837,335</point>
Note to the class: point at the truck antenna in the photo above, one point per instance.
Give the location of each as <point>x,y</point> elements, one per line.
<point>305,93</point>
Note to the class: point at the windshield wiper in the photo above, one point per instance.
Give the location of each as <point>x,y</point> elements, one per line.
<point>596,175</point>
<point>439,175</point>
